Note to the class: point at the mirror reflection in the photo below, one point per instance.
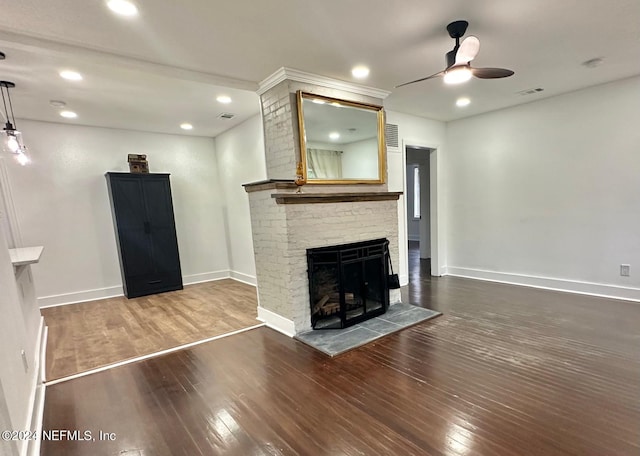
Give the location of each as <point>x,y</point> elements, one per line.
<point>340,141</point>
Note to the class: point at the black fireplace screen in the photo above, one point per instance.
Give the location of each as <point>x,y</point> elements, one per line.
<point>347,283</point>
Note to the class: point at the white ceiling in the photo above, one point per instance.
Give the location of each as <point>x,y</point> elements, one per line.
<point>167,65</point>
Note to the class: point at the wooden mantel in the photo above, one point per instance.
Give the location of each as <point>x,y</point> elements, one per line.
<point>311,198</point>
<point>314,196</point>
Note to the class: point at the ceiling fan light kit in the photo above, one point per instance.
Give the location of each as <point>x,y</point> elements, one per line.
<point>457,74</point>
<point>458,60</point>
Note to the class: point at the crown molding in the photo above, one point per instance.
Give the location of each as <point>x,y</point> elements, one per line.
<point>291,74</point>
<point>52,48</point>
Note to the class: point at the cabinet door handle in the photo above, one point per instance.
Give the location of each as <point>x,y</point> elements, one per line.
<point>147,227</point>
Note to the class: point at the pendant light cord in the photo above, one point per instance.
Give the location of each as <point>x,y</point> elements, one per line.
<point>11,107</point>
<point>4,102</point>
<point>6,113</point>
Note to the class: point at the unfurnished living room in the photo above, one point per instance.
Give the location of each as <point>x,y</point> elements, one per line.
<point>320,228</point>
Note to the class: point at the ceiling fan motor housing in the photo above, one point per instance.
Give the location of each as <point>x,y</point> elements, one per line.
<point>457,29</point>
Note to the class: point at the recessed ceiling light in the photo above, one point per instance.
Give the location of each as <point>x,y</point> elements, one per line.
<point>123,7</point>
<point>334,135</point>
<point>68,114</point>
<point>186,126</point>
<point>224,99</point>
<point>57,103</point>
<point>71,75</point>
<point>464,101</point>
<point>360,72</point>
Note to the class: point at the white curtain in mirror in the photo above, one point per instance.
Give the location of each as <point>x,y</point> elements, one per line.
<point>324,164</point>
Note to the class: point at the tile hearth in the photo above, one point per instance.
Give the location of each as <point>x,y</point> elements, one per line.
<point>334,342</point>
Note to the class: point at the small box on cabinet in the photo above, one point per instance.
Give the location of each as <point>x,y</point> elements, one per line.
<point>138,164</point>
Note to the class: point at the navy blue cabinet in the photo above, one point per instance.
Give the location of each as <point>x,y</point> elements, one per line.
<point>145,233</point>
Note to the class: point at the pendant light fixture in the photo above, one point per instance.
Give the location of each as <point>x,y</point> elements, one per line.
<point>11,137</point>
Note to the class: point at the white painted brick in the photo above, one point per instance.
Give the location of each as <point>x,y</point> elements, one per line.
<point>283,233</point>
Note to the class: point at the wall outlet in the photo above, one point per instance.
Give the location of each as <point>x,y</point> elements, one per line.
<point>625,269</point>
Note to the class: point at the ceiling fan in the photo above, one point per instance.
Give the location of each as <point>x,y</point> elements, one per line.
<point>458,59</point>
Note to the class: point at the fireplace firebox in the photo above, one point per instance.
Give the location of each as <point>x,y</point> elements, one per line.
<point>348,283</point>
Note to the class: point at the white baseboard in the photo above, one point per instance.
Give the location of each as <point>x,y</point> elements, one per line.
<point>77,297</point>
<point>549,283</point>
<point>277,322</point>
<point>42,378</point>
<point>36,398</point>
<point>205,277</point>
<point>244,278</point>
<point>33,448</point>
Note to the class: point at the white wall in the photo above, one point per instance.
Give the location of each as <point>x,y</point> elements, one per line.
<point>325,146</point>
<point>19,328</point>
<point>62,203</point>
<point>549,189</point>
<point>418,131</point>
<point>7,448</point>
<point>241,160</point>
<point>360,159</point>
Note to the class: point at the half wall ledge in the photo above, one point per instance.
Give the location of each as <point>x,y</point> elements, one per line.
<point>270,184</point>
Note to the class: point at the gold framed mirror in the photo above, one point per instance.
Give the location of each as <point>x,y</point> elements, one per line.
<point>341,142</point>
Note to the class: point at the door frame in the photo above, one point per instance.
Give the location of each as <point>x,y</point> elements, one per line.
<point>7,206</point>
<point>435,213</point>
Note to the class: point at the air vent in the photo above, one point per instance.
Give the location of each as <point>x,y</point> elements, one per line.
<point>529,91</point>
<point>226,115</point>
<point>391,135</point>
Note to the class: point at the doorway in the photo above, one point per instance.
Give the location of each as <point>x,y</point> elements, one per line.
<point>421,214</point>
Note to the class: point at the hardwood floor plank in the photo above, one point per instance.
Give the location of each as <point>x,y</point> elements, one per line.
<point>94,334</point>
<point>506,371</point>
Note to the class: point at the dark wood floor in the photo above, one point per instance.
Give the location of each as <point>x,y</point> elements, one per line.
<point>505,371</point>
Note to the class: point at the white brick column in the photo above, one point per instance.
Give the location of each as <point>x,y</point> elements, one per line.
<point>282,232</point>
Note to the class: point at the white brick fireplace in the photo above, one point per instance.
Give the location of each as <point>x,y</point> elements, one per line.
<point>285,224</point>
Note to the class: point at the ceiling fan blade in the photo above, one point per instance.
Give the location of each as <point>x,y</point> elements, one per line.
<point>422,79</point>
<point>491,73</point>
<point>468,50</point>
